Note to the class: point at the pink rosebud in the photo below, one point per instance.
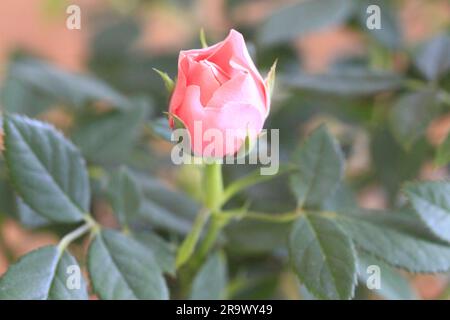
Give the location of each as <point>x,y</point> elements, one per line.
<point>219,88</point>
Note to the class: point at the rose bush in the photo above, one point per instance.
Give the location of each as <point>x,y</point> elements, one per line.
<point>220,88</point>
<point>347,215</point>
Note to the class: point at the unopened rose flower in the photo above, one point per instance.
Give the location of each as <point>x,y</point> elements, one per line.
<point>219,88</point>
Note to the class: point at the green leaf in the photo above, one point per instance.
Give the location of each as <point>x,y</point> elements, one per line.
<point>390,33</point>
<point>168,82</point>
<point>163,251</point>
<point>431,200</point>
<point>352,81</point>
<point>16,97</point>
<point>302,18</point>
<point>252,236</point>
<point>320,166</point>
<point>68,88</point>
<point>393,285</point>
<point>202,36</point>
<point>411,115</point>
<point>43,274</point>
<point>323,257</point>
<point>397,248</point>
<point>270,80</point>
<point>404,220</point>
<point>443,153</point>
<point>403,164</point>
<point>47,171</point>
<point>28,217</point>
<point>177,121</point>
<point>124,195</point>
<point>342,198</point>
<point>7,196</point>
<point>110,137</point>
<point>305,294</point>
<point>211,280</point>
<point>122,268</point>
<point>165,208</point>
<point>433,60</point>
<point>113,41</point>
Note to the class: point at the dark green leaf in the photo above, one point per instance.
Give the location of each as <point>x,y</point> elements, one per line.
<point>403,164</point>
<point>43,274</point>
<point>431,200</point>
<point>47,171</point>
<point>397,248</point>
<point>110,43</point>
<point>28,217</point>
<point>251,236</point>
<point>323,257</point>
<point>124,195</point>
<point>16,97</point>
<point>302,18</point>
<point>404,220</point>
<point>73,89</point>
<point>412,114</point>
<point>393,285</point>
<point>7,196</point>
<point>353,81</point>
<point>168,82</point>
<point>122,268</point>
<point>434,58</point>
<point>110,137</point>
<point>305,294</point>
<point>163,251</point>
<point>390,33</point>
<point>342,198</point>
<point>320,166</point>
<point>165,208</point>
<point>210,281</point>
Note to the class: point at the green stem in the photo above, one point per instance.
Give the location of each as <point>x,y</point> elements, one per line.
<point>213,194</point>
<point>250,180</point>
<point>187,247</point>
<point>214,228</point>
<point>68,238</point>
<point>277,218</point>
<point>90,221</point>
<point>213,185</point>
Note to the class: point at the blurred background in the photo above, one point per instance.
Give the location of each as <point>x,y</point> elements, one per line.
<point>119,43</point>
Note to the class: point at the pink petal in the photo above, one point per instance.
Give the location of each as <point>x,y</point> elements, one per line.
<point>203,75</point>
<point>180,85</point>
<point>242,89</point>
<point>236,117</point>
<point>232,56</point>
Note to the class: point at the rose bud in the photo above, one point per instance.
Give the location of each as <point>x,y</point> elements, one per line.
<point>219,90</point>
